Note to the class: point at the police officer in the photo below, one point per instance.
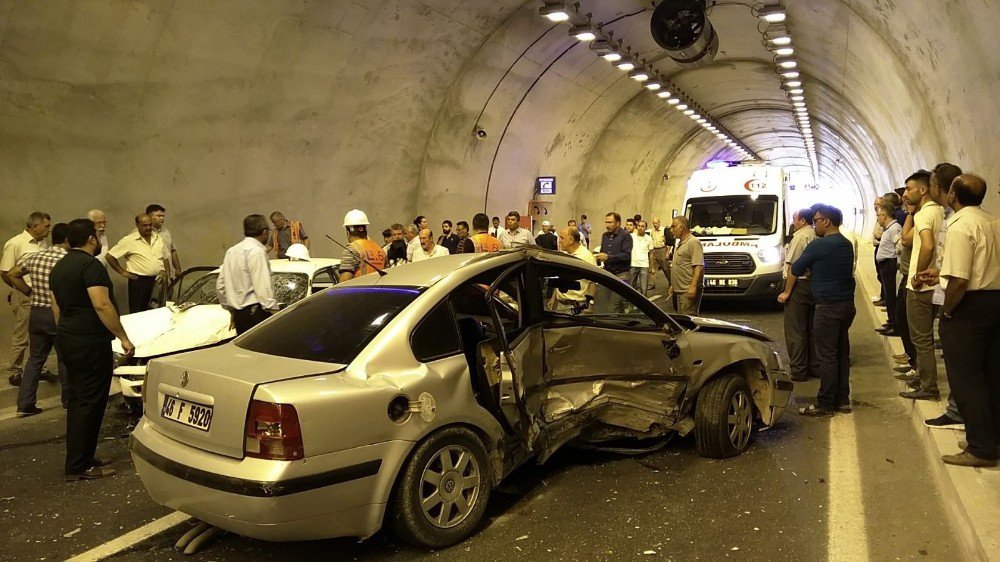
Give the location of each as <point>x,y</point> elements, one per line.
<point>362,255</point>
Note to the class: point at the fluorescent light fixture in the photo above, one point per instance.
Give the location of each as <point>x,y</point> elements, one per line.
<point>625,65</point>
<point>784,51</point>
<point>773,14</point>
<point>583,32</point>
<point>721,136</point>
<point>798,98</point>
<point>694,117</point>
<point>682,107</point>
<point>653,86</point>
<point>790,74</point>
<point>663,94</point>
<point>638,75</point>
<point>554,12</point>
<point>611,57</point>
<point>688,112</point>
<point>673,101</point>
<point>796,91</point>
<point>793,83</point>
<point>786,62</point>
<point>801,110</point>
<point>781,39</point>
<point>799,103</point>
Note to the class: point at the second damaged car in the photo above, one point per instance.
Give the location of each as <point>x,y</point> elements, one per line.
<point>405,398</point>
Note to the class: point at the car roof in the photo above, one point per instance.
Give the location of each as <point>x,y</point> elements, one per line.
<point>459,267</point>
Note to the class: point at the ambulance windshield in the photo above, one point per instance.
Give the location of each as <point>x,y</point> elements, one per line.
<point>733,215</point>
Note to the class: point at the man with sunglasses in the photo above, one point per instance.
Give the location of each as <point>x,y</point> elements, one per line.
<point>830,261</point>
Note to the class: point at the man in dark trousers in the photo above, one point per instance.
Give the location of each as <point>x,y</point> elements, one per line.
<point>830,259</point>
<point>244,284</point>
<point>616,255</point>
<point>87,320</point>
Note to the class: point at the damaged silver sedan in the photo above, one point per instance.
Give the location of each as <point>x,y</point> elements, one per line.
<point>405,398</point>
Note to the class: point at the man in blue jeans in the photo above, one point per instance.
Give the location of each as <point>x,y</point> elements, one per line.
<point>830,260</point>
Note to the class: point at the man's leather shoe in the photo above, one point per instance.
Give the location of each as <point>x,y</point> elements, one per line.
<point>93,473</point>
<point>879,302</point>
<point>965,458</point>
<point>48,376</point>
<point>14,379</point>
<point>102,461</point>
<point>904,360</point>
<point>921,394</point>
<point>32,411</point>
<point>903,369</point>
<point>886,333</point>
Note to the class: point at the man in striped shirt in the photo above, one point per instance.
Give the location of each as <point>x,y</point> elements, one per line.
<point>41,322</point>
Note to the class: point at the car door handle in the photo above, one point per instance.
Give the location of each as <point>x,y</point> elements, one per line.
<point>556,348</point>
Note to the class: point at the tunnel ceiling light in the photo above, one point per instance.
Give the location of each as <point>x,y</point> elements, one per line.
<point>798,98</point>
<point>790,74</point>
<point>663,94</point>
<point>702,121</point>
<point>673,101</point>
<point>625,65</point>
<point>793,83</point>
<point>611,57</point>
<point>688,112</point>
<point>796,91</point>
<point>654,85</point>
<point>784,51</point>
<point>786,62</point>
<point>555,12</point>
<point>694,116</point>
<point>799,103</point>
<point>583,32</point>
<point>780,39</point>
<point>772,14</point>
<point>639,75</point>
<point>682,107</point>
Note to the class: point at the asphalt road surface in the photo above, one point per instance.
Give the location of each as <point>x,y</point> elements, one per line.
<point>853,487</point>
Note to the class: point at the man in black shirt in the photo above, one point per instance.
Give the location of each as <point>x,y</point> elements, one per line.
<point>87,320</point>
<point>616,254</point>
<point>546,239</point>
<point>448,239</point>
<point>465,245</point>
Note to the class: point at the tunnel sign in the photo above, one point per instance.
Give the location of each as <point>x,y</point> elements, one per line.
<point>545,185</point>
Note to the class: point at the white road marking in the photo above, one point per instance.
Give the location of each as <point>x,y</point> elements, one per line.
<point>130,539</point>
<point>845,526</point>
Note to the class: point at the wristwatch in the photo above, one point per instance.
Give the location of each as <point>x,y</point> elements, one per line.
<point>945,315</point>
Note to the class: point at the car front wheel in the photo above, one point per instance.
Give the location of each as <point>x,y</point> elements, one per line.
<point>443,489</point>
<point>724,417</point>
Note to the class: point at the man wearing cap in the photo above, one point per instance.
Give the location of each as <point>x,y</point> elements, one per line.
<point>546,238</point>
<point>362,256</point>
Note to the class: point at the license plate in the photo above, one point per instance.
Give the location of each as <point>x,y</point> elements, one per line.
<point>723,282</point>
<point>198,416</point>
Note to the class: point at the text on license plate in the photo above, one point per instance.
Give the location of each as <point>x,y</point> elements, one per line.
<point>723,282</point>
<point>196,415</point>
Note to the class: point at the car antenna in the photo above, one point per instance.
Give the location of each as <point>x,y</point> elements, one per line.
<point>381,272</point>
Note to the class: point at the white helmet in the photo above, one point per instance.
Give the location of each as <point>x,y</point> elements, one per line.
<point>355,217</point>
<point>297,252</point>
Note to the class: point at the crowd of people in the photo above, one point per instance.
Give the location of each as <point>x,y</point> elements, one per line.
<point>938,261</point>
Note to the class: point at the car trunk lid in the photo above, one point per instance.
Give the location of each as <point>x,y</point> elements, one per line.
<point>201,398</point>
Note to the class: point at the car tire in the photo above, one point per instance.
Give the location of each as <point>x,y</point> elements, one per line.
<point>724,417</point>
<point>462,488</point>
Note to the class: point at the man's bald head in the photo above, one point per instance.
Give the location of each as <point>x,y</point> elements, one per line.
<point>969,190</point>
<point>99,219</point>
<point>144,224</point>
<point>569,238</point>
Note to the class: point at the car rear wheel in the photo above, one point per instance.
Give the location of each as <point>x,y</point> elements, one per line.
<point>443,489</point>
<point>724,417</point>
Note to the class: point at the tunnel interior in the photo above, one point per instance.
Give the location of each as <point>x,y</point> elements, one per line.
<point>448,107</point>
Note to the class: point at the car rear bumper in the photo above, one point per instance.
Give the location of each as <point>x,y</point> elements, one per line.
<point>333,495</point>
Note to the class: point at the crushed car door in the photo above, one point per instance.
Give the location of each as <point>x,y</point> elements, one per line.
<point>607,375</point>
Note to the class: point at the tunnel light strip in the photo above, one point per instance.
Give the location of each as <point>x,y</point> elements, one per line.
<point>778,39</point>
<point>620,55</point>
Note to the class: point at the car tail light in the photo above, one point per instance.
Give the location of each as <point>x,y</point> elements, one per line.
<point>273,432</point>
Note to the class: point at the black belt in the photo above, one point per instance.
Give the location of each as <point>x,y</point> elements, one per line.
<point>145,276</point>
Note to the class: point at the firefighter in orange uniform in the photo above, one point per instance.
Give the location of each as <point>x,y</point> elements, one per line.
<point>362,256</point>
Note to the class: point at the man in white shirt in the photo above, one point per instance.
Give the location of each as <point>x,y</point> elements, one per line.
<point>920,309</point>
<point>31,240</point>
<point>514,236</point>
<point>411,234</point>
<point>642,245</point>
<point>428,249</point>
<point>101,223</point>
<point>244,285</point>
<point>144,260</point>
<point>799,302</point>
<point>571,242</point>
<point>970,318</point>
<point>885,265</point>
<point>496,229</point>
<point>659,257</point>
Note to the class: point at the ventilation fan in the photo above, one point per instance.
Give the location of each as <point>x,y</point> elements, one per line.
<point>682,28</point>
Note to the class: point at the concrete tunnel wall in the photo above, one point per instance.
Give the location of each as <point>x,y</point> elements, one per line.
<point>220,109</point>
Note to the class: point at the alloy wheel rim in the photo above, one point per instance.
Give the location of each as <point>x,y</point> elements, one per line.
<point>740,420</point>
<point>449,486</point>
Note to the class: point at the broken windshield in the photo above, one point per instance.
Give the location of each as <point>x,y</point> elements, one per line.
<point>733,215</point>
<point>288,288</point>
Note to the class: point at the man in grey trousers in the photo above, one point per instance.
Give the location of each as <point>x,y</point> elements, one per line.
<point>799,303</point>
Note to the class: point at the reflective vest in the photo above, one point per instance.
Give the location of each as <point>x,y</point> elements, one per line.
<point>296,228</point>
<point>372,253</point>
<point>485,243</point>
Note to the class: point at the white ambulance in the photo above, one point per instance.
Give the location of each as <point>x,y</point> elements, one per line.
<point>739,212</point>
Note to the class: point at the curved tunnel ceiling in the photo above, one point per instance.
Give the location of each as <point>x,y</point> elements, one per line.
<point>217,110</point>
